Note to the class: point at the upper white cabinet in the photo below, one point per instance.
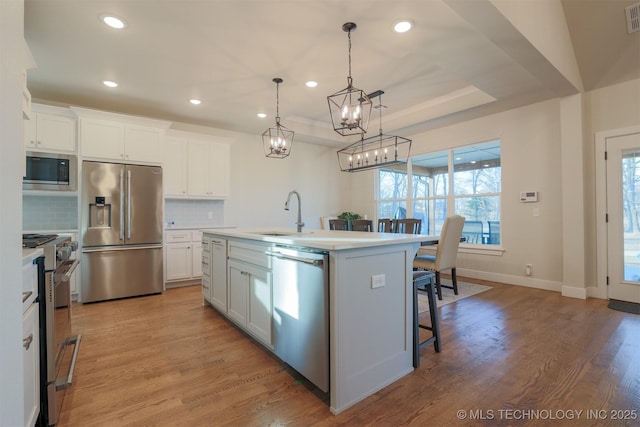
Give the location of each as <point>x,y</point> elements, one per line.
<point>174,165</point>
<point>196,166</point>
<point>118,137</point>
<point>50,132</point>
<point>118,141</point>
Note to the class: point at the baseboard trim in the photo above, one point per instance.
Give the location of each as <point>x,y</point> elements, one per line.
<point>574,292</point>
<point>531,282</point>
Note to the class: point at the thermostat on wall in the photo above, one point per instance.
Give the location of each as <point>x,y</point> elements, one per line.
<point>528,196</point>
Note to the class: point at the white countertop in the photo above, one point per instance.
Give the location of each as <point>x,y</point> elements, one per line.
<point>29,254</point>
<point>193,227</point>
<point>320,239</point>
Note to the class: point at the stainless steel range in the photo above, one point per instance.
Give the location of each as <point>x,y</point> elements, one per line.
<point>57,358</point>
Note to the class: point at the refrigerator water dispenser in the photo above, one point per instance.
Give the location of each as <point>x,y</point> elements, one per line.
<point>100,213</point>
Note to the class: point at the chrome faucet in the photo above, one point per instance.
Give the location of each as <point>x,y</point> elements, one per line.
<point>300,224</point>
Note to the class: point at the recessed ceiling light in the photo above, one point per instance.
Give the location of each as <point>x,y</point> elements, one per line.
<point>109,83</point>
<point>402,26</point>
<point>262,115</point>
<point>311,83</point>
<point>113,21</point>
<point>195,101</point>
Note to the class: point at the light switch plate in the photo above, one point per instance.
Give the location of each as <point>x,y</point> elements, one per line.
<point>377,281</point>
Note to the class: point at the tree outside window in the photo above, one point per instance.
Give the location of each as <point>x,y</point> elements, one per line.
<point>465,180</point>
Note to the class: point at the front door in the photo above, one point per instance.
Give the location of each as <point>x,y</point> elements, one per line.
<point>623,208</point>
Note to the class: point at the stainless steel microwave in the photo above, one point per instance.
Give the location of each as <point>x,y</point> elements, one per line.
<point>51,171</point>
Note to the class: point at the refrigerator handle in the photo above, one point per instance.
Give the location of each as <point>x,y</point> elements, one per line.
<point>121,205</point>
<point>129,204</point>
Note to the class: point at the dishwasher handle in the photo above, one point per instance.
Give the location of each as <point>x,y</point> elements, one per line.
<point>314,262</point>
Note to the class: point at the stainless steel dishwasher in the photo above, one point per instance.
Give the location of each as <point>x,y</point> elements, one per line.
<point>301,311</point>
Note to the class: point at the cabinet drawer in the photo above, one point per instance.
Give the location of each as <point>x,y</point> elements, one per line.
<point>196,236</point>
<point>178,236</point>
<point>250,252</point>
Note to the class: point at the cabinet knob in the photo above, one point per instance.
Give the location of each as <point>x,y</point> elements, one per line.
<point>26,342</point>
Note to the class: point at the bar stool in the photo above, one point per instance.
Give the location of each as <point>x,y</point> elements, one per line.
<point>424,281</point>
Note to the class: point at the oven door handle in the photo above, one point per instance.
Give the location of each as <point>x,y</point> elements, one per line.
<point>66,276</point>
<point>64,383</point>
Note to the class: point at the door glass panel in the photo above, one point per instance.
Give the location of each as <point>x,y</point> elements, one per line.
<point>631,214</point>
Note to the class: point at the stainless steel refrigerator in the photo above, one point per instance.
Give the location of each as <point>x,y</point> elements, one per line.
<point>121,231</point>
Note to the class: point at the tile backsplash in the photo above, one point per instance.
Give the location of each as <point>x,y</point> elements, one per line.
<point>49,212</point>
<point>185,213</point>
<point>61,212</point>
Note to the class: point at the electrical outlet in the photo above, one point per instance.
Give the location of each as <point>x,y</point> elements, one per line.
<point>527,269</point>
<point>210,214</point>
<point>377,281</point>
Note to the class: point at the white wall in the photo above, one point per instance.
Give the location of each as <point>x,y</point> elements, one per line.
<point>12,64</point>
<point>547,147</point>
<point>260,185</point>
<point>530,162</point>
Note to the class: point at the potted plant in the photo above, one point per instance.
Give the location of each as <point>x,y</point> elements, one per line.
<point>349,216</point>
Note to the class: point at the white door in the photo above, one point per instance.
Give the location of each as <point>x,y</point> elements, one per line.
<point>623,208</point>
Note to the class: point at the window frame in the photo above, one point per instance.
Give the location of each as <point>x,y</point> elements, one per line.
<point>450,196</point>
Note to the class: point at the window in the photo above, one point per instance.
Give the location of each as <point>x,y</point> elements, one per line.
<point>465,181</point>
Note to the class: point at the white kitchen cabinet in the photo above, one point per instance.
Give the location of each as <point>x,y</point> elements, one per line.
<point>208,169</point>
<point>31,361</point>
<point>218,268</point>
<point>195,166</point>
<point>174,166</point>
<point>183,257</point>
<point>50,133</point>
<point>30,343</point>
<point>206,269</point>
<point>178,261</point>
<point>112,140</point>
<point>250,289</point>
<point>196,258</point>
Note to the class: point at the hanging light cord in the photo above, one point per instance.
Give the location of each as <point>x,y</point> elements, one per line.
<point>380,114</point>
<point>349,80</point>
<point>278,103</point>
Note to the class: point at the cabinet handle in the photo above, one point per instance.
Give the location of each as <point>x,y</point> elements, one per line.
<point>26,342</point>
<point>26,295</point>
<point>206,287</point>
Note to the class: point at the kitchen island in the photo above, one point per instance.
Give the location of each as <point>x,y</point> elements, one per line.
<point>369,308</point>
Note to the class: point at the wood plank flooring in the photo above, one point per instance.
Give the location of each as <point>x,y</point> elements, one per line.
<point>511,356</point>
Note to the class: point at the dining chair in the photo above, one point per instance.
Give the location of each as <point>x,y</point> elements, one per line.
<point>407,225</point>
<point>384,225</point>
<point>338,224</point>
<point>446,254</point>
<point>361,225</point>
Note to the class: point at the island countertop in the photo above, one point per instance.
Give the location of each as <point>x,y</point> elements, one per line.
<point>370,327</point>
<point>328,240</point>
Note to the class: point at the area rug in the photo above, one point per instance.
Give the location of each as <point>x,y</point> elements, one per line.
<point>465,290</point>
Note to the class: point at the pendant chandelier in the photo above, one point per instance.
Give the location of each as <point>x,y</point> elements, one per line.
<point>376,151</point>
<point>350,108</point>
<point>277,140</point>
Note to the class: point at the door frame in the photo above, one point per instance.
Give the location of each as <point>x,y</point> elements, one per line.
<point>602,262</point>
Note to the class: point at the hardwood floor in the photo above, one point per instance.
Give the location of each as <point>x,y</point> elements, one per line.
<point>511,356</point>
